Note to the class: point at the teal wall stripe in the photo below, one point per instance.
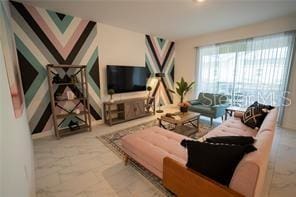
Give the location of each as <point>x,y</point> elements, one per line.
<point>36,64</point>
<point>152,58</point>
<point>61,24</point>
<point>149,65</point>
<point>25,19</point>
<point>161,42</point>
<point>89,66</point>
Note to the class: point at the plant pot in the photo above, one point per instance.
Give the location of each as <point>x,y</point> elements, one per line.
<point>184,109</point>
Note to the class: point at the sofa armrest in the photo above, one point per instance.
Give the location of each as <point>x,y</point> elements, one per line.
<point>186,182</point>
<point>224,106</point>
<point>238,114</point>
<point>195,102</point>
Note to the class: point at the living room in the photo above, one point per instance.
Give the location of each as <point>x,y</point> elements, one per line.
<point>148,98</point>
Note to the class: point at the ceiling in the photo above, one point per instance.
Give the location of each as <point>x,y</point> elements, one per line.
<point>173,19</point>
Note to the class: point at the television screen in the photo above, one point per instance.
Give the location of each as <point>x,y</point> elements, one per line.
<point>126,78</point>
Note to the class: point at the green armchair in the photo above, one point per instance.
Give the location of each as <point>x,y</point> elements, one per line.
<point>210,105</point>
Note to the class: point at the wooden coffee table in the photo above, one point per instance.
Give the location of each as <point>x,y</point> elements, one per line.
<point>183,123</point>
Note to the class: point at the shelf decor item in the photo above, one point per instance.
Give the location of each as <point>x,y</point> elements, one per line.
<point>70,95</point>
<point>73,125</point>
<point>74,79</point>
<point>69,99</point>
<point>77,111</point>
<point>58,96</point>
<point>57,79</point>
<point>111,92</point>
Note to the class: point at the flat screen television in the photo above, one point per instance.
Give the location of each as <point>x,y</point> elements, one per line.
<point>126,78</point>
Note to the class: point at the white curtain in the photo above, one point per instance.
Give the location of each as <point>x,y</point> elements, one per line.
<point>248,70</point>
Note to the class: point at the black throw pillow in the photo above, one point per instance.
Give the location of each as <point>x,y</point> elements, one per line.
<point>262,106</point>
<point>215,161</point>
<point>236,140</point>
<point>255,114</point>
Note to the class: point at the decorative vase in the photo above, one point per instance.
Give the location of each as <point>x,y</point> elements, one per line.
<point>184,109</point>
<point>70,95</point>
<point>111,99</point>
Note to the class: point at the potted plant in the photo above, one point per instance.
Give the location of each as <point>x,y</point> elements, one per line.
<point>182,89</point>
<point>184,106</point>
<point>111,92</point>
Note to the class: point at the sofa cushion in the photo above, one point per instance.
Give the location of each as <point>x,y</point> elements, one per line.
<point>150,146</point>
<point>203,157</point>
<point>220,99</point>
<point>231,127</point>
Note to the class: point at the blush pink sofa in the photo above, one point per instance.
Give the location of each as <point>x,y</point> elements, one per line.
<point>150,146</point>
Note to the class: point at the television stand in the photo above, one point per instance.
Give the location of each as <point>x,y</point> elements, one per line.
<point>128,109</point>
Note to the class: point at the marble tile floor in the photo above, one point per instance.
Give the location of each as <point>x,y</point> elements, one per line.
<point>81,166</point>
<point>281,174</point>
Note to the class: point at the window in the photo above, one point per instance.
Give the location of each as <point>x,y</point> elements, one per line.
<point>249,70</point>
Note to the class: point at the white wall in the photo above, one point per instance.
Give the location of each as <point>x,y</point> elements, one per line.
<point>186,52</point>
<point>119,47</point>
<point>16,156</point>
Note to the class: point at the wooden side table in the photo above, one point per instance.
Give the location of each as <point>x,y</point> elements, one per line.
<point>230,110</point>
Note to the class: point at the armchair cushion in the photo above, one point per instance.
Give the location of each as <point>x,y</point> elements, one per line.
<point>211,105</point>
<point>203,109</point>
<point>211,99</point>
<point>206,99</point>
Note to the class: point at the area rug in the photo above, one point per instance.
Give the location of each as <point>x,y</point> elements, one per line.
<point>113,142</point>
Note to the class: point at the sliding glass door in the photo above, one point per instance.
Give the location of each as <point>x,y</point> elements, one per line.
<point>249,70</point>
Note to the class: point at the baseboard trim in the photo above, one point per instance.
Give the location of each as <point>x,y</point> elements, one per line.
<point>42,134</point>
<point>51,132</point>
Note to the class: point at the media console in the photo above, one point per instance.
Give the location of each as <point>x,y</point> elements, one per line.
<point>128,109</point>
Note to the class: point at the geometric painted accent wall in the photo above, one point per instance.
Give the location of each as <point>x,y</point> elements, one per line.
<point>45,37</point>
<point>160,58</point>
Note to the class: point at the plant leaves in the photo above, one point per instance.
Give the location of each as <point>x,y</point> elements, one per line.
<point>183,87</point>
<point>179,91</point>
